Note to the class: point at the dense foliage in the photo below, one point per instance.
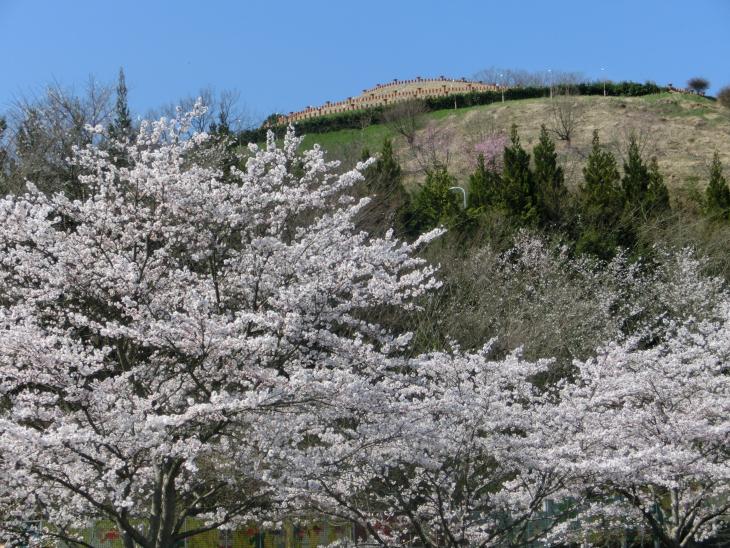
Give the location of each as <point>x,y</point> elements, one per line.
<point>193,333</point>
<point>604,215</point>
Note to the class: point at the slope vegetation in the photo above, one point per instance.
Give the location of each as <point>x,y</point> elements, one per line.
<point>681,131</point>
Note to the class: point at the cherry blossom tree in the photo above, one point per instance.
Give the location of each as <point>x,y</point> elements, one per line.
<point>163,336</point>
<point>451,455</point>
<point>646,433</point>
<point>191,341</point>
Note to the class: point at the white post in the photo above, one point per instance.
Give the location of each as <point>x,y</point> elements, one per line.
<point>550,82</point>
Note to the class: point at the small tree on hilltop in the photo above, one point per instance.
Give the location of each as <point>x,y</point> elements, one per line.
<point>404,118</point>
<point>698,84</point>
<point>567,114</point>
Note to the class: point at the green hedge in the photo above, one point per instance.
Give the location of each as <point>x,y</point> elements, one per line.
<point>322,124</point>
<point>362,118</point>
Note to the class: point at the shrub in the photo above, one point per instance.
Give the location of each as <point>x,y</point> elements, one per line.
<point>698,85</point>
<point>435,203</point>
<point>723,96</point>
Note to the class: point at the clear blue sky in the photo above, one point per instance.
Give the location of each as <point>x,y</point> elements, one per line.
<point>284,55</point>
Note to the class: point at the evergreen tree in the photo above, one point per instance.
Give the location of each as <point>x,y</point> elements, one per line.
<point>518,183</point>
<point>434,204</point>
<point>601,176</point>
<point>3,150</point>
<point>657,195</point>
<point>384,184</point>
<point>717,195</point>
<point>484,185</point>
<point>549,180</point>
<point>635,181</point>
<point>385,175</point>
<point>6,186</point>
<point>121,127</point>
<point>601,203</point>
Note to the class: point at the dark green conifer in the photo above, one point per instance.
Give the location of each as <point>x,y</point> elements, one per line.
<point>601,200</point>
<point>386,174</point>
<point>717,195</point>
<point>657,195</point>
<point>434,204</point>
<point>389,199</point>
<point>518,183</point>
<point>600,174</point>
<point>484,185</point>
<point>549,180</point>
<point>3,158</point>
<point>635,181</point>
<point>121,127</point>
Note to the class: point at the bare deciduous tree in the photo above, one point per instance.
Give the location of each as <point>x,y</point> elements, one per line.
<point>644,139</point>
<point>524,78</point>
<point>223,110</point>
<point>566,112</point>
<point>404,118</point>
<point>431,147</point>
<point>44,129</point>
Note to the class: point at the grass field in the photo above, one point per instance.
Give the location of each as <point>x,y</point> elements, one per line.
<point>682,131</point>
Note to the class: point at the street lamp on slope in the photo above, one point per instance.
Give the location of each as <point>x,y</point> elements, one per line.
<point>463,192</point>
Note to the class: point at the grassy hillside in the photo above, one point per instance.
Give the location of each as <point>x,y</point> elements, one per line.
<point>682,131</point>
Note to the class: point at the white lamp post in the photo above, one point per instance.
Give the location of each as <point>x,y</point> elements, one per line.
<point>550,82</point>
<point>463,192</point>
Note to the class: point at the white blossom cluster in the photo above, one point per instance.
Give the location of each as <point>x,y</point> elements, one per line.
<point>188,342</point>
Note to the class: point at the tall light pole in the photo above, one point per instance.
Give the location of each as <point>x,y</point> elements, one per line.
<point>501,85</point>
<point>604,80</point>
<point>550,82</point>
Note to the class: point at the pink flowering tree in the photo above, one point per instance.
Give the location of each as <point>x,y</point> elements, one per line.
<point>161,336</point>
<point>492,149</point>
